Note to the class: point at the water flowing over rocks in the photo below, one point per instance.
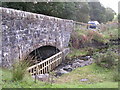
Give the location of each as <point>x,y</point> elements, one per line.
<point>66,67</point>
<point>75,63</point>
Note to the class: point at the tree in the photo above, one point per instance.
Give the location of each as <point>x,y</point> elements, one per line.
<point>66,10</point>
<point>58,9</point>
<point>77,11</point>
<point>109,14</point>
<point>82,12</point>
<point>97,12</point>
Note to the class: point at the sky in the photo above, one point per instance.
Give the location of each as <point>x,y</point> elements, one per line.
<point>111,3</point>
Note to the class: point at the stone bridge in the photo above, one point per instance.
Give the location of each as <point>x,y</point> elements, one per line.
<point>23,32</point>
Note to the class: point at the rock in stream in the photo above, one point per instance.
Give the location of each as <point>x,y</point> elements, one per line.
<point>67,67</point>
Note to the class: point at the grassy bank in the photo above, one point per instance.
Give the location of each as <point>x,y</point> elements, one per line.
<point>110,33</point>
<point>97,77</point>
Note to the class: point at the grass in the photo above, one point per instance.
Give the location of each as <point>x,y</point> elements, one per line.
<point>77,53</point>
<point>97,85</point>
<point>81,31</point>
<point>19,69</point>
<point>107,34</point>
<point>27,81</point>
<point>110,33</point>
<point>97,78</point>
<point>81,52</point>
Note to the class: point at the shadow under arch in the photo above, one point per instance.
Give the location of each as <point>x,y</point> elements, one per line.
<point>43,53</point>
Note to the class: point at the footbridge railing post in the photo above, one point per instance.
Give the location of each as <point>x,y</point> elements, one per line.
<point>46,65</point>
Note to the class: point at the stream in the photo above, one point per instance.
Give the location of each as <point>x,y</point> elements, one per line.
<point>66,67</point>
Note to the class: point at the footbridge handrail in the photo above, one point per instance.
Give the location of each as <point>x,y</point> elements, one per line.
<point>46,65</point>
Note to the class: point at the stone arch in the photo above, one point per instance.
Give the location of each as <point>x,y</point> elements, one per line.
<point>26,52</point>
<point>43,52</point>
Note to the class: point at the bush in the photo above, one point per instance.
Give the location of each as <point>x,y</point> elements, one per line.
<point>19,70</point>
<point>80,38</point>
<point>116,75</point>
<point>94,35</point>
<point>108,59</point>
<point>74,40</point>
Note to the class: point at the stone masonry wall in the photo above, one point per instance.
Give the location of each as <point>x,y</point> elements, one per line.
<point>23,32</point>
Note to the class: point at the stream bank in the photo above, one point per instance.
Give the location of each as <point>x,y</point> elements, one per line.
<point>66,67</point>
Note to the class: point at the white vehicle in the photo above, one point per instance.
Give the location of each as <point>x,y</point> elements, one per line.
<point>93,24</point>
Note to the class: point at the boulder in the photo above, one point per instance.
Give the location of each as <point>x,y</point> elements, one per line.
<point>85,58</point>
<point>91,59</point>
<point>86,63</point>
<point>60,72</point>
<point>75,65</point>
<point>78,60</point>
<point>68,68</point>
<point>82,64</point>
<point>83,80</point>
<point>42,77</point>
<point>90,62</point>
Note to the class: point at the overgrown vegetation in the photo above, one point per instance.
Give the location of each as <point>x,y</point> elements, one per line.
<point>76,53</point>
<point>92,39</point>
<point>106,58</point>
<point>109,59</point>
<point>82,38</point>
<point>110,33</point>
<point>81,52</point>
<point>116,74</point>
<point>19,70</point>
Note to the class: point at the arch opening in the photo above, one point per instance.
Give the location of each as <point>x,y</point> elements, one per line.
<point>42,53</point>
